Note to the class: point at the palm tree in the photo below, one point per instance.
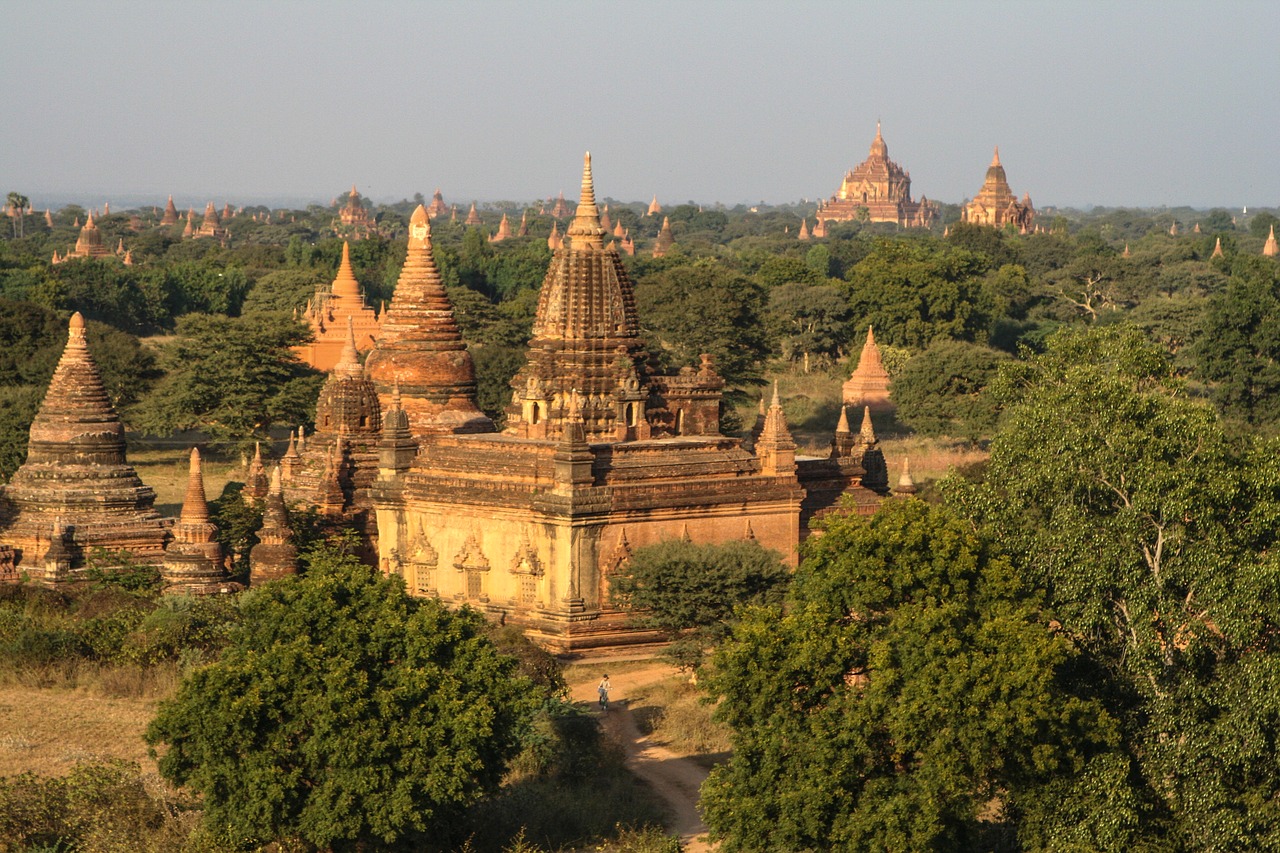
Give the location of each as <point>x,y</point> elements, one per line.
<point>18,210</point>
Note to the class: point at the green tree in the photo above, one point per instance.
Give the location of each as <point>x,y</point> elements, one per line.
<point>345,714</point>
<point>18,211</point>
<point>1155,535</point>
<point>1239,350</point>
<point>811,319</point>
<point>676,585</point>
<point>941,391</point>
<point>705,308</point>
<point>232,378</point>
<point>906,698</point>
<point>282,290</point>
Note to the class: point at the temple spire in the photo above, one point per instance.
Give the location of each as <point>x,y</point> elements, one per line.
<point>1217,249</point>
<point>1270,249</point>
<point>195,508</point>
<point>348,366</point>
<point>906,485</point>
<point>585,230</point>
<point>842,426</point>
<point>345,285</point>
<point>868,431</point>
<point>995,160</point>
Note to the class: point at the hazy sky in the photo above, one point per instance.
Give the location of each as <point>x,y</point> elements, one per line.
<point>1115,103</point>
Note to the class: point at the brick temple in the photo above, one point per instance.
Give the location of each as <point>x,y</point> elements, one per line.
<point>882,189</point>
<point>599,456</point>
<point>995,204</point>
<point>329,314</point>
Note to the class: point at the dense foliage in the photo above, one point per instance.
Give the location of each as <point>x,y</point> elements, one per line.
<point>344,712</point>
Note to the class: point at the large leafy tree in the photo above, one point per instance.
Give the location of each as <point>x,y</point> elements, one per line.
<point>1154,534</point>
<point>908,697</point>
<point>345,714</point>
<point>941,391</point>
<point>1240,348</point>
<point>232,378</point>
<point>705,308</point>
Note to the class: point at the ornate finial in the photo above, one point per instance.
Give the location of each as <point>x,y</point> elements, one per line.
<point>995,161</point>
<point>842,426</point>
<point>348,366</point>
<point>868,432</point>
<point>277,486</point>
<point>585,229</point>
<point>76,325</point>
<point>775,403</point>
<point>195,509</point>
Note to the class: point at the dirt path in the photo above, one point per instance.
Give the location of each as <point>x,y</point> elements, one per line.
<point>674,778</point>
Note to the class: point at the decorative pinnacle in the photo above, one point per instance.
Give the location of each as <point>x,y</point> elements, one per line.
<point>420,228</point>
<point>195,509</point>
<point>348,365</point>
<point>868,431</point>
<point>585,229</point>
<point>842,426</point>
<point>995,161</point>
<point>906,485</point>
<point>775,403</point>
<point>276,487</point>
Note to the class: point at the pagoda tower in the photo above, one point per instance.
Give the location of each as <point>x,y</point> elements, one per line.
<point>89,243</point>
<point>524,225</point>
<point>665,240</point>
<point>1217,249</point>
<point>354,219</point>
<point>188,230</point>
<point>504,231</point>
<point>76,472</point>
<point>211,226</point>
<point>995,204</point>
<point>420,348</point>
<point>193,560</point>
<point>1270,249</point>
<point>348,427</point>
<point>869,384</point>
<point>586,340</point>
<point>328,315</point>
<point>561,210</point>
<point>274,556</point>
<point>170,214</point>
<point>438,207</point>
<point>605,222</point>
<point>473,218</point>
<point>654,207</point>
<point>553,239</point>
<point>804,230</point>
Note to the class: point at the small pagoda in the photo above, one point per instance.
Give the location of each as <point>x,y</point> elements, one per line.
<point>869,385</point>
<point>193,561</point>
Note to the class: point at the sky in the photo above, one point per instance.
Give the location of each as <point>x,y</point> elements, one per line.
<point>1091,103</point>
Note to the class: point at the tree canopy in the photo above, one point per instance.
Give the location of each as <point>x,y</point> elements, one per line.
<point>345,714</point>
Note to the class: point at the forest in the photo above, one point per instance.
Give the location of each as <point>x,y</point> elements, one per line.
<point>1069,642</point>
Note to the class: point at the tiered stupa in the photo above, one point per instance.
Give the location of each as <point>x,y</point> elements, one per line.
<point>473,218</point>
<point>878,190</point>
<point>170,214</point>
<point>654,207</point>
<point>328,315</point>
<point>995,204</point>
<point>193,561</point>
<point>188,230</point>
<point>524,225</point>
<point>600,455</point>
<point>561,210</point>
<point>76,474</point>
<point>420,349</point>
<point>274,556</point>
<point>869,385</point>
<point>664,241</point>
<point>804,230</point>
<point>211,225</point>
<point>1270,248</point>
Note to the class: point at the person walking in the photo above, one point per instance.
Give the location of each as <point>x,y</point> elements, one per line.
<point>603,689</point>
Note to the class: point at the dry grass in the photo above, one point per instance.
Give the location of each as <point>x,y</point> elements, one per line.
<point>48,731</point>
<point>164,468</point>
<point>931,458</point>
<point>672,712</point>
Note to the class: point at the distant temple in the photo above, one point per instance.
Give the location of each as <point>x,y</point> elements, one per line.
<point>599,456</point>
<point>438,207</point>
<point>995,204</point>
<point>868,387</point>
<point>882,189</point>
<point>211,225</point>
<point>1269,248</point>
<point>473,218</point>
<point>665,240</point>
<point>76,491</point>
<point>355,221</point>
<point>88,244</point>
<point>170,214</point>
<point>503,232</point>
<point>327,315</point>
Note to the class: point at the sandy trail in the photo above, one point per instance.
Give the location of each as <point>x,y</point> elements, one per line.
<point>673,777</point>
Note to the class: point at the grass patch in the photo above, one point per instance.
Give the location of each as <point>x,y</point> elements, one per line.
<point>674,713</point>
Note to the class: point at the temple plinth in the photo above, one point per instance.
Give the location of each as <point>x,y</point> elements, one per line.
<point>76,473</point>
<point>878,190</point>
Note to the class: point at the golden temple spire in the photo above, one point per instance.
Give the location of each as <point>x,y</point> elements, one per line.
<point>348,366</point>
<point>842,426</point>
<point>585,230</point>
<point>868,431</point>
<point>195,508</point>
<point>345,285</point>
<point>1270,249</point>
<point>1217,249</point>
<point>995,160</point>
